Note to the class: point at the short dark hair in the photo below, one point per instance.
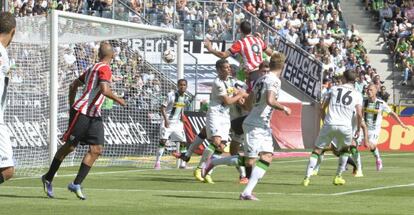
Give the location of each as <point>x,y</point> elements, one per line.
<point>350,75</point>
<point>181,80</point>
<point>220,63</point>
<point>245,27</point>
<point>7,22</point>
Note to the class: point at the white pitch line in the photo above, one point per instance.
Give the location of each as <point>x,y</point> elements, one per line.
<point>143,170</point>
<point>372,189</point>
<point>170,191</point>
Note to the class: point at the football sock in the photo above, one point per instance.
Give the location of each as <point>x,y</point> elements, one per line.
<point>241,167</point>
<point>206,154</point>
<point>82,173</point>
<point>229,160</point>
<point>375,152</point>
<point>53,169</point>
<point>356,156</point>
<point>313,160</point>
<point>320,159</point>
<point>248,171</point>
<point>258,172</point>
<point>160,152</point>
<point>343,158</point>
<point>1,178</point>
<point>194,145</point>
<point>351,162</point>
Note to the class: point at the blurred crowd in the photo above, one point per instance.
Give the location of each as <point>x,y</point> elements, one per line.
<point>395,20</point>
<point>315,26</point>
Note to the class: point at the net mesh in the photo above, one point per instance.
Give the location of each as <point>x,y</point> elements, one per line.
<point>131,134</point>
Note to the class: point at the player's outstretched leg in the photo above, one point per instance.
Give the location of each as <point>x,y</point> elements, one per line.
<point>257,173</point>
<point>342,161</point>
<point>356,156</point>
<point>313,160</point>
<point>378,161</point>
<point>94,152</point>
<point>193,146</point>
<point>47,178</point>
<point>160,152</point>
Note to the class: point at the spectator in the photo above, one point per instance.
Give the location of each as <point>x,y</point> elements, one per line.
<point>383,94</point>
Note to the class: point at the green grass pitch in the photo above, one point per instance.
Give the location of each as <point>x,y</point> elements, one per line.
<point>143,191</point>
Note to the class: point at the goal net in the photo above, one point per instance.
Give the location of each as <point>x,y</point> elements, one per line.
<point>49,53</point>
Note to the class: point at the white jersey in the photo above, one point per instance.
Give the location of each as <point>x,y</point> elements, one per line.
<point>235,110</point>
<point>221,88</point>
<point>175,105</point>
<point>4,80</point>
<point>343,100</point>
<point>260,114</point>
<point>373,113</point>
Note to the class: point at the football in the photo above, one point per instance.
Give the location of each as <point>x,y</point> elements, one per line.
<point>168,56</point>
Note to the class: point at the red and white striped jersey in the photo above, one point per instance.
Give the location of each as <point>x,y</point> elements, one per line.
<point>91,100</point>
<point>251,49</point>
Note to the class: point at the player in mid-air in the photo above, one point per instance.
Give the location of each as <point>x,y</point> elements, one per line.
<point>258,139</point>
<point>373,108</point>
<point>342,100</point>
<point>85,122</point>
<point>250,47</point>
<point>172,127</point>
<point>223,94</point>
<point>7,30</point>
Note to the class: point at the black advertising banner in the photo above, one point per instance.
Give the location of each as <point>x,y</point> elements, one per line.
<point>301,70</point>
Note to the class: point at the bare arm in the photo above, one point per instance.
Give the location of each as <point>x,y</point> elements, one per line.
<point>107,91</point>
<point>395,116</point>
<point>324,107</point>
<point>227,100</point>
<point>164,115</point>
<point>73,89</point>
<point>361,124</point>
<point>220,54</point>
<point>272,102</point>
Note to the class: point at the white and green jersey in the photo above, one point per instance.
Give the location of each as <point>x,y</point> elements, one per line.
<point>343,100</point>
<point>373,113</point>
<point>260,115</point>
<point>221,88</point>
<point>175,105</point>
<point>235,110</point>
<point>4,80</point>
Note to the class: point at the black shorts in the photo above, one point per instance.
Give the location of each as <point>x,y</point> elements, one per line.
<point>84,129</point>
<point>237,125</point>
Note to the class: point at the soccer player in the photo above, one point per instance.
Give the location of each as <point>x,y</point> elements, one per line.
<point>223,94</point>
<point>172,126</point>
<point>257,132</point>
<point>343,100</point>
<point>250,47</point>
<point>373,108</point>
<point>85,122</point>
<point>7,30</point>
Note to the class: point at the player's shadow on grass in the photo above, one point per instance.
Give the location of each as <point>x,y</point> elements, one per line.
<point>196,197</point>
<point>28,197</point>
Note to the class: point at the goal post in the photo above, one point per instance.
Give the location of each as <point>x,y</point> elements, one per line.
<point>49,53</point>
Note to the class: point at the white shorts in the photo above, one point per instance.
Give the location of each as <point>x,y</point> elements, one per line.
<point>373,136</point>
<point>342,134</point>
<point>175,132</point>
<point>257,140</point>
<point>6,150</point>
<point>218,126</point>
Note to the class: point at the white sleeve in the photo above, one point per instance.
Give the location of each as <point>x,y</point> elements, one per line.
<point>386,108</point>
<point>221,88</point>
<point>168,99</point>
<point>272,85</point>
